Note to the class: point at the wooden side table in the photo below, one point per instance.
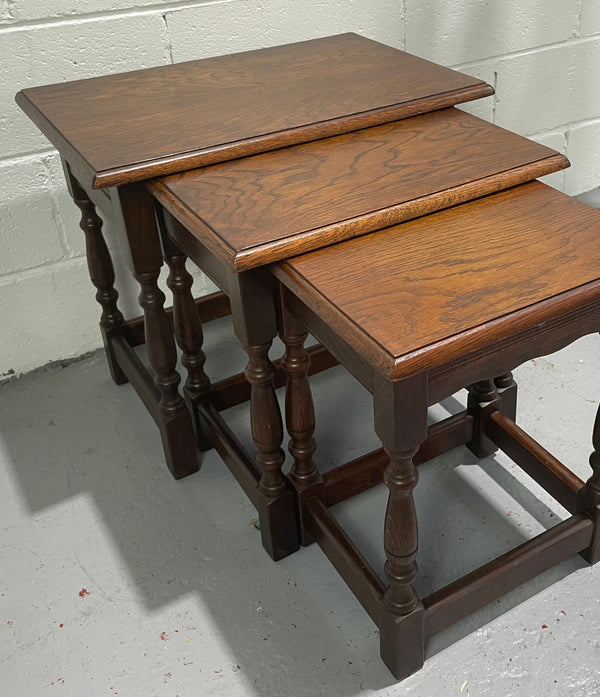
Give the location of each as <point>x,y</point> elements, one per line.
<point>116,131</point>
<point>448,300</point>
<point>235,218</point>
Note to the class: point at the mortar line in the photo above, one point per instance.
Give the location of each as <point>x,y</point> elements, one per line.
<point>526,51</point>
<point>153,9</point>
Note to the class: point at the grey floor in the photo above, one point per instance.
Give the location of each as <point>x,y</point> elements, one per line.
<point>117,580</point>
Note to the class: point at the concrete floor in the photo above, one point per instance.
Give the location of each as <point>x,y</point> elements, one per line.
<point>117,580</point>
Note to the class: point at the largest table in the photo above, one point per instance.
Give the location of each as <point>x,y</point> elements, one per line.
<point>115,132</point>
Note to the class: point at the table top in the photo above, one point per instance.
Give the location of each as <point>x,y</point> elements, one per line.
<point>133,126</point>
<point>265,208</point>
<point>435,283</point>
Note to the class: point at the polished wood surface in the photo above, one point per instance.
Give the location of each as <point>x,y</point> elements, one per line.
<point>442,278</point>
<point>132,126</point>
<point>443,285</point>
<point>265,208</point>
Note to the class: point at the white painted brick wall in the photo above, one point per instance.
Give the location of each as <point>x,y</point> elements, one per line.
<point>243,25</point>
<point>462,31</point>
<point>543,56</point>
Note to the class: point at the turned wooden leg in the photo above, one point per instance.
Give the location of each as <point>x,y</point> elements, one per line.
<point>401,423</point>
<point>265,418</point>
<point>400,536</point>
<point>189,334</point>
<point>102,274</point>
<point>134,208</point>
<point>589,496</point>
<point>483,399</point>
<point>299,417</point>
<point>507,391</point>
<point>254,321</point>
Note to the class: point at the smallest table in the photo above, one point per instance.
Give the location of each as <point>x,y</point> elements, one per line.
<point>448,300</point>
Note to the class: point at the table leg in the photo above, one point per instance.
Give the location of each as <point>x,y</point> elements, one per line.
<point>101,272</point>
<point>254,322</point>
<point>299,417</point>
<point>401,424</point>
<point>135,210</point>
<point>483,398</point>
<point>188,332</point>
<point>507,391</point>
<point>589,496</point>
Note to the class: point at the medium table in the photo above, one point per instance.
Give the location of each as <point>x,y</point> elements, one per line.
<point>236,218</point>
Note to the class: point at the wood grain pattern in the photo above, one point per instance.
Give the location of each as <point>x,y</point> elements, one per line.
<point>132,126</point>
<point>441,286</point>
<point>283,203</point>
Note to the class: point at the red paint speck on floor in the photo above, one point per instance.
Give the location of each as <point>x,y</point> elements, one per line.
<point>544,626</point>
<point>9,623</point>
<point>163,636</point>
<point>61,625</point>
<point>83,592</point>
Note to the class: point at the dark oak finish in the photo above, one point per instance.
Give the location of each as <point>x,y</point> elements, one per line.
<point>524,262</point>
<point>266,208</point>
<point>506,388</point>
<point>188,332</point>
<point>400,416</point>
<point>299,416</point>
<point>147,123</point>
<point>101,272</point>
<point>448,300</point>
<point>134,211</point>
<point>116,130</point>
<point>187,324</point>
<point>437,311</point>
<point>252,301</point>
<point>483,399</point>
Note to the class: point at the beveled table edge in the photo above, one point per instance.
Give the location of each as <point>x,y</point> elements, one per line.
<point>340,231</point>
<point>201,157</point>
